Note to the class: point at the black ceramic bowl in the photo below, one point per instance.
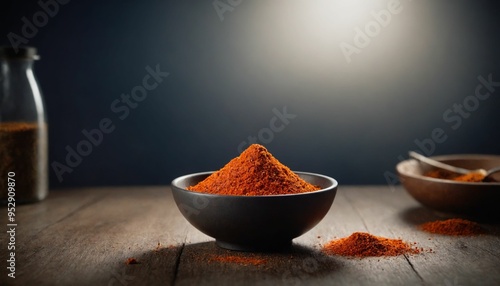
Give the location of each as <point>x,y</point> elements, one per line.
<point>254,223</point>
<point>451,196</point>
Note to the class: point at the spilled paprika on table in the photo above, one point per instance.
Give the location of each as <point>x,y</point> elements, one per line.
<point>362,244</point>
<point>454,226</point>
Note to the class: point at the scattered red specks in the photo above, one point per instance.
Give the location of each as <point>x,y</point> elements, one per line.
<point>131,260</point>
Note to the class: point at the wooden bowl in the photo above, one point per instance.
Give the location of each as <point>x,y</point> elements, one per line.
<point>474,198</point>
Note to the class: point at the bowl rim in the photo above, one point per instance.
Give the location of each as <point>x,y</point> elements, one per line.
<point>448,157</point>
<point>333,186</point>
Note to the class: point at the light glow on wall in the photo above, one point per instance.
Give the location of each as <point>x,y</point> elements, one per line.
<point>334,40</point>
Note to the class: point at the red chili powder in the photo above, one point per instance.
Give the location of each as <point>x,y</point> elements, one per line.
<point>362,244</point>
<point>440,174</point>
<point>471,177</point>
<point>443,174</point>
<point>131,260</point>
<point>238,260</point>
<point>454,226</point>
<point>254,173</point>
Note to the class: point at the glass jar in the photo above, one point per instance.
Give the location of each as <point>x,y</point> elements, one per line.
<point>23,129</point>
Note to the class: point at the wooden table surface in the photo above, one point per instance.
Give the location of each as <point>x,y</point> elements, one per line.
<point>84,237</point>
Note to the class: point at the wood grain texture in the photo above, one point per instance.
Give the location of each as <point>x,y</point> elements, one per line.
<point>84,237</point>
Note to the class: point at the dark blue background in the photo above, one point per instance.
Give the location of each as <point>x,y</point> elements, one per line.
<point>353,121</point>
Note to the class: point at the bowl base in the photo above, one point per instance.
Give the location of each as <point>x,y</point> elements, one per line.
<point>255,247</point>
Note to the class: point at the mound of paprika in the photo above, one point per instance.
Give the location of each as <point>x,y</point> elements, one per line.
<point>254,173</point>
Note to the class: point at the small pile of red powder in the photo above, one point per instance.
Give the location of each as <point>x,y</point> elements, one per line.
<point>454,226</point>
<point>362,244</point>
<point>254,173</point>
<point>238,260</point>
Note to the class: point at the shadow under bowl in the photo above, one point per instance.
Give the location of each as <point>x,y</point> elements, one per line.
<point>254,223</point>
<point>469,198</point>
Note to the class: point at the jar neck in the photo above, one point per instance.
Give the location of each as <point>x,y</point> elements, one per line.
<point>16,73</point>
<point>16,66</point>
<point>20,96</point>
